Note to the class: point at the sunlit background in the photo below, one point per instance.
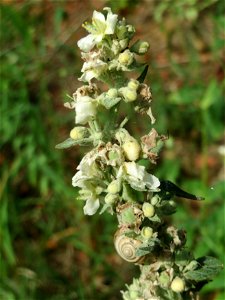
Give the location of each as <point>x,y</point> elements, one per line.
<point>49,249</point>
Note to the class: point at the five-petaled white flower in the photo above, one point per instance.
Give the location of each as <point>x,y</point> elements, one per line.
<point>100,27</point>
<point>92,69</point>
<point>137,177</point>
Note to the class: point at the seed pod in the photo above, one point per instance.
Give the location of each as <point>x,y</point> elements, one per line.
<point>126,247</point>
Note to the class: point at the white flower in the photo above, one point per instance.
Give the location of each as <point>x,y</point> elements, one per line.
<point>88,177</point>
<point>85,108</point>
<point>100,27</point>
<point>91,206</point>
<point>137,177</point>
<point>87,171</point>
<point>92,69</point>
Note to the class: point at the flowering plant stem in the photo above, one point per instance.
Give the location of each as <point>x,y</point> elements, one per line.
<point>114,176</point>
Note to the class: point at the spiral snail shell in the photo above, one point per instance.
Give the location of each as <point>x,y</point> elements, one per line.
<point>126,247</point>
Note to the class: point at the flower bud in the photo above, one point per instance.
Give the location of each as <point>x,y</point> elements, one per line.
<point>78,133</point>
<point>178,285</point>
<point>130,31</point>
<point>155,200</point>
<point>148,210</point>
<point>164,279</point>
<point>116,48</point>
<point>133,84</point>
<point>113,93</point>
<point>123,43</point>
<point>126,58</point>
<point>146,232</point>
<point>129,94</point>
<point>134,295</point>
<point>111,198</point>
<point>131,149</point>
<point>140,47</point>
<point>114,187</point>
<point>121,31</point>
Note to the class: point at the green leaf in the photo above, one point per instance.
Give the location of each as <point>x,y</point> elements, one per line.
<point>109,102</point>
<point>71,142</point>
<point>208,268</point>
<point>155,218</point>
<point>211,95</point>
<point>183,257</point>
<point>147,247</point>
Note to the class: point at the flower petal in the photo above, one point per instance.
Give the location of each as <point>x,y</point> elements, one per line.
<point>151,181</point>
<point>111,21</point>
<point>87,43</point>
<point>91,206</point>
<point>79,179</point>
<point>85,110</point>
<point>98,16</point>
<point>135,170</point>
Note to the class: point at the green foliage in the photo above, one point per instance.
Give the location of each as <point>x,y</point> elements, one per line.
<point>48,249</point>
<point>207,269</point>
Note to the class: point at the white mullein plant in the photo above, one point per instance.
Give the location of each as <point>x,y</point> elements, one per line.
<point>113,176</point>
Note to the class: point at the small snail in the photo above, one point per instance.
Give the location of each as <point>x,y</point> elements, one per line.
<point>126,247</point>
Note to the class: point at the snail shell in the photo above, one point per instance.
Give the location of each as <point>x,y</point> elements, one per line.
<point>126,247</point>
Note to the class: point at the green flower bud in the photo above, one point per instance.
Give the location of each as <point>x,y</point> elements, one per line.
<point>155,200</point>
<point>114,187</point>
<point>133,84</point>
<point>172,203</point>
<point>164,279</point>
<point>126,58</point>
<point>146,232</point>
<point>116,48</point>
<point>121,31</point>
<point>130,31</point>
<point>148,210</point>
<point>78,133</point>
<point>140,47</point>
<point>134,295</point>
<point>178,285</point>
<point>132,150</point>
<point>111,198</point>
<point>123,43</point>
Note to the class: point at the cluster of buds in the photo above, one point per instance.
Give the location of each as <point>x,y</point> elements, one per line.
<point>113,176</point>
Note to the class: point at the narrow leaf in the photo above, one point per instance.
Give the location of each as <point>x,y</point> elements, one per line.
<point>71,142</point>
<point>141,78</point>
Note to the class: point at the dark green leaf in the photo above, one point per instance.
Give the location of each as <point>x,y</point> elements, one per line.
<point>209,267</point>
<point>141,78</point>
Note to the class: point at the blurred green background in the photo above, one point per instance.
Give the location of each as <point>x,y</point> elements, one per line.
<point>49,249</point>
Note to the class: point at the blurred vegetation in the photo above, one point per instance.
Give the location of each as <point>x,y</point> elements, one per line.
<point>48,249</point>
